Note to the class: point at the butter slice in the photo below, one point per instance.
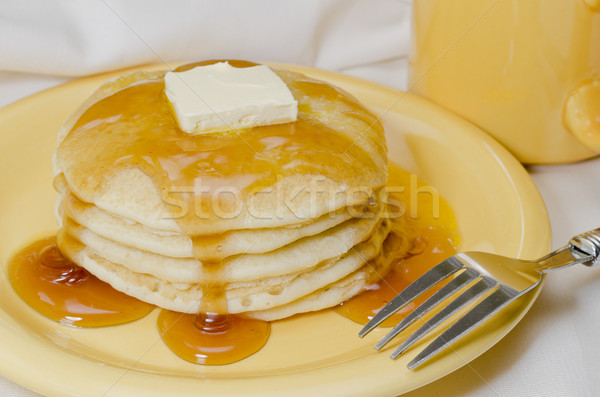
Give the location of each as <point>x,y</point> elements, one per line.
<point>221,97</point>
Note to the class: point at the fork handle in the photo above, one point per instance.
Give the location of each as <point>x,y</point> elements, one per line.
<point>583,248</point>
<point>586,245</point>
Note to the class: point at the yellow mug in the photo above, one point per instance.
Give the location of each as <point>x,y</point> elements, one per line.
<point>525,71</point>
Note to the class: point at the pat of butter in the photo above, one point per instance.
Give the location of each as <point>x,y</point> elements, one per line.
<point>221,97</point>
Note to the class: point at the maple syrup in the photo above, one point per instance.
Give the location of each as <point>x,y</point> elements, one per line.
<point>433,228</point>
<point>66,293</point>
<point>436,245</point>
<point>212,339</point>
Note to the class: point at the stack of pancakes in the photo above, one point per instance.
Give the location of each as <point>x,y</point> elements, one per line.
<point>265,222</point>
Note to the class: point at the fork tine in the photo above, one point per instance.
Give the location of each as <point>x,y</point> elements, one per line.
<point>481,287</point>
<point>475,317</point>
<point>453,286</point>
<point>419,286</point>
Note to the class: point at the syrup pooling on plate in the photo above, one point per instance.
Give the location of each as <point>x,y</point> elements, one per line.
<point>66,293</point>
<point>212,339</point>
<point>435,244</point>
<point>432,227</point>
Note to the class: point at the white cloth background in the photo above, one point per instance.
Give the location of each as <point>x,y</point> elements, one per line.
<point>67,38</point>
<point>552,352</point>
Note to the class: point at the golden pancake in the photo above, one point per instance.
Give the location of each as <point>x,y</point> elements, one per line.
<point>267,221</point>
<point>394,247</point>
<point>332,157</point>
<point>258,295</point>
<point>292,258</point>
<point>216,247</point>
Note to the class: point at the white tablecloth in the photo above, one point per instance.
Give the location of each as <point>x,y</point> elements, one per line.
<point>553,351</point>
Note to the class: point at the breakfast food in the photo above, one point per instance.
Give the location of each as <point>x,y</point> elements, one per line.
<point>264,220</point>
<point>275,207</point>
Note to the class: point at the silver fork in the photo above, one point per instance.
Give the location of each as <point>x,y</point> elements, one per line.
<point>477,273</point>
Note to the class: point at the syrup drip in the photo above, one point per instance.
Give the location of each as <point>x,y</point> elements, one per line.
<point>66,293</point>
<point>213,300</point>
<point>211,339</point>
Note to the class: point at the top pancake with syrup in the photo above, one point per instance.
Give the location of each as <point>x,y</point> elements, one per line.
<point>124,152</point>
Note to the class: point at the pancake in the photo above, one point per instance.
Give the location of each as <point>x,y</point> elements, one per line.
<point>395,246</point>
<point>292,258</point>
<point>215,247</point>
<point>264,222</point>
<point>256,296</point>
<point>334,156</point>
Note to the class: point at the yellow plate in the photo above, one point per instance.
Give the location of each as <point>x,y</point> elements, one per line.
<point>496,204</point>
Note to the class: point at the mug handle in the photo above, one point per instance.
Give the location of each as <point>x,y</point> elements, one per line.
<point>582,113</point>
